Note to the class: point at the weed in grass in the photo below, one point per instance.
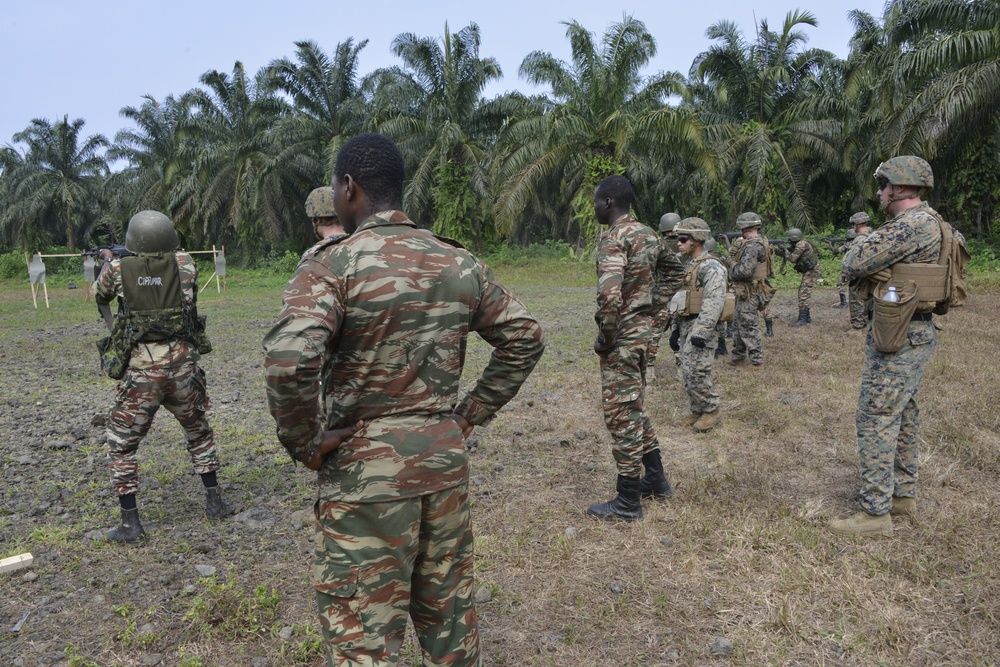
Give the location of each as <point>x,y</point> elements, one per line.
<point>226,610</point>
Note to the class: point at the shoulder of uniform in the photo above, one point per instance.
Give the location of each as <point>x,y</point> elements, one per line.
<point>328,242</point>
<point>450,241</point>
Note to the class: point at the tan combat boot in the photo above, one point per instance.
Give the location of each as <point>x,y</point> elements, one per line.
<point>905,507</point>
<point>708,421</point>
<point>862,524</point>
<point>689,420</point>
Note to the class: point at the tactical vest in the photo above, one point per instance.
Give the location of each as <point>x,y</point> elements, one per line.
<point>764,269</point>
<point>689,298</point>
<point>151,284</point>
<point>808,260</point>
<point>939,284</point>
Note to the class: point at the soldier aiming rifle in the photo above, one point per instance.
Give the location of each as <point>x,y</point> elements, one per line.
<point>117,252</point>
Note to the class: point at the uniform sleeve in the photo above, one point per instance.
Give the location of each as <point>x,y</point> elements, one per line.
<point>108,283</point>
<point>712,275</point>
<point>743,270</point>
<point>879,250</point>
<point>800,249</point>
<point>518,343</point>
<point>294,352</point>
<point>611,259</point>
<point>669,276</point>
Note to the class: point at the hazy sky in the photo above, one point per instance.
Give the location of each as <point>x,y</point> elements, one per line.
<point>90,59</point>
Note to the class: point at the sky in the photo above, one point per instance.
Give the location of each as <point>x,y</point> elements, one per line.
<point>90,59</point>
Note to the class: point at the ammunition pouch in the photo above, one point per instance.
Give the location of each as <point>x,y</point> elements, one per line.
<point>808,261</point>
<point>891,319</point>
<point>742,290</point>
<point>116,349</point>
<point>931,282</point>
<point>687,303</point>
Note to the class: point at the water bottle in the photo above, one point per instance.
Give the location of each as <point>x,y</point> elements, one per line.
<point>891,295</point>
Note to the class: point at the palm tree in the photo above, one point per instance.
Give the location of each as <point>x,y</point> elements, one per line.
<point>601,117</point>
<point>434,110</point>
<point>759,101</point>
<point>55,185</point>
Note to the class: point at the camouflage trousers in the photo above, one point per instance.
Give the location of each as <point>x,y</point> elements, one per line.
<point>842,282</point>
<point>747,341</point>
<point>696,367</point>
<point>809,280</point>
<point>623,395</point>
<point>139,395</point>
<point>856,307</point>
<point>887,418</point>
<point>661,322</point>
<point>376,563</point>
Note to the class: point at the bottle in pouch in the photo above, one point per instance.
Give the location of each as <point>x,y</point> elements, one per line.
<point>891,295</point>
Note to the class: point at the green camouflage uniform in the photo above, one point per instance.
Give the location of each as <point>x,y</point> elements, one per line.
<point>809,277</point>
<point>669,274</point>
<point>159,373</point>
<point>382,317</point>
<point>697,363</point>
<point>752,298</point>
<point>626,256</point>
<point>887,417</point>
<point>856,294</point>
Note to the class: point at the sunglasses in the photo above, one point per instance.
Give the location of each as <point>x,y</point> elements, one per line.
<point>882,181</point>
<point>683,239</point>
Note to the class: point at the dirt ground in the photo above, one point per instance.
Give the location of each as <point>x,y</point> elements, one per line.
<point>736,569</point>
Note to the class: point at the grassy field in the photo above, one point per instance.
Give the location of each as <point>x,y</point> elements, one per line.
<point>739,554</point>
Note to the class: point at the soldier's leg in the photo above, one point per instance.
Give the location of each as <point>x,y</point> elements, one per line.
<point>622,397</point>
<point>361,572</point>
<point>906,465</point>
<point>750,327</point>
<point>809,280</point>
<point>187,400</point>
<point>737,327</point>
<point>659,325</point>
<point>442,608</point>
<point>698,364</point>
<point>137,398</point>
<point>856,307</point>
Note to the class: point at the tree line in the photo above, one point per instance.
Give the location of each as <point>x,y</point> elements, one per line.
<point>760,122</point>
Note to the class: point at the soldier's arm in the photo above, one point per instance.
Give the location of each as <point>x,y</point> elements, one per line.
<point>743,270</point>
<point>798,251</point>
<point>611,260</point>
<point>879,250</point>
<point>105,288</point>
<point>518,343</point>
<point>713,276</point>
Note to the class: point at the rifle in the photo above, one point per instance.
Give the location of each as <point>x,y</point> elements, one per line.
<point>783,251</point>
<point>728,237</point>
<point>118,251</point>
<point>833,242</point>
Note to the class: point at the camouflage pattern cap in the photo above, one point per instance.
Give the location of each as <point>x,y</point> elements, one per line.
<point>907,170</point>
<point>667,222</point>
<point>860,218</point>
<point>794,234</point>
<point>319,203</point>
<point>696,228</point>
<point>748,219</point>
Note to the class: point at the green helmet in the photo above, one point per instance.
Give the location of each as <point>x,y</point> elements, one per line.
<point>907,170</point>
<point>667,222</point>
<point>748,219</point>
<point>794,234</point>
<point>151,232</point>
<point>711,245</point>
<point>319,203</point>
<point>696,228</point>
<point>851,234</point>
<point>860,218</point>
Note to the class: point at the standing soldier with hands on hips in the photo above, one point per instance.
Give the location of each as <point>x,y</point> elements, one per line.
<point>158,329</point>
<point>382,317</point>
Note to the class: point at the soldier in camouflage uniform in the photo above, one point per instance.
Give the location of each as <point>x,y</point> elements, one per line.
<point>842,281</point>
<point>856,293</point>
<point>669,273</point>
<point>320,211</point>
<point>157,291</point>
<point>805,259</point>
<point>887,415</point>
<point>383,315</point>
<point>626,258</point>
<point>750,267</point>
<point>695,335</point>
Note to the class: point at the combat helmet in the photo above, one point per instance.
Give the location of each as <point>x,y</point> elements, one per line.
<point>667,222</point>
<point>151,232</point>
<point>860,218</point>
<point>711,245</point>
<point>748,219</point>
<point>319,203</point>
<point>907,170</point>
<point>794,234</point>
<point>851,235</point>
<point>696,228</point>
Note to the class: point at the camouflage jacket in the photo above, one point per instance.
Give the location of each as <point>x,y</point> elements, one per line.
<point>669,271</point>
<point>912,236</point>
<point>626,259</point>
<point>745,257</point>
<point>382,317</point>
<point>799,251</point>
<point>148,356</point>
<point>708,273</point>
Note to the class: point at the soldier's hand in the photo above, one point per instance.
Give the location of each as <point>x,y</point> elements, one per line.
<point>600,346</point>
<point>462,424</point>
<point>675,340</point>
<point>780,249</point>
<point>881,276</point>
<point>331,441</point>
<point>698,342</point>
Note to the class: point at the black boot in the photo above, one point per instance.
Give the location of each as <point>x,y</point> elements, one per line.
<point>769,324</point>
<point>215,506</point>
<point>843,301</point>
<point>624,507</point>
<point>803,318</point>
<point>721,351</point>
<point>809,318</point>
<point>130,530</point>
<point>655,484</point>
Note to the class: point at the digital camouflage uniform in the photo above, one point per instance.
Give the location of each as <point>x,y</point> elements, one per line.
<point>753,294</point>
<point>383,316</point>
<point>669,272</point>
<point>809,278</point>
<point>626,256</point>
<point>159,373</point>
<point>887,417</point>
<point>856,294</point>
<point>710,275</point>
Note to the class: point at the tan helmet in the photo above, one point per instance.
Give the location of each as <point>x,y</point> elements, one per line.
<point>667,222</point>
<point>860,218</point>
<point>794,234</point>
<point>151,232</point>
<point>319,203</point>
<point>748,219</point>
<point>696,228</point>
<point>907,170</point>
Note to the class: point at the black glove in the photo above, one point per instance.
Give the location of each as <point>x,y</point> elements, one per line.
<point>698,342</point>
<point>675,340</point>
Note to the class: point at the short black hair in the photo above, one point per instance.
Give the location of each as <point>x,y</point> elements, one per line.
<point>375,163</point>
<point>616,188</point>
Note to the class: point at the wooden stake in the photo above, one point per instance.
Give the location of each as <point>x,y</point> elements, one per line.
<point>18,562</point>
